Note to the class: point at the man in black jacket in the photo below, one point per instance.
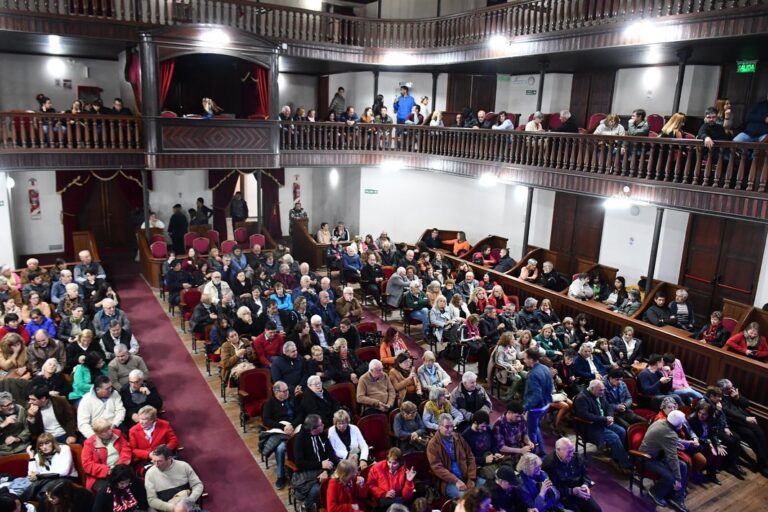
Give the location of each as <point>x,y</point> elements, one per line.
<point>490,326</point>
<point>568,472</point>
<point>658,314</point>
<point>590,405</point>
<point>279,413</point>
<point>506,262</point>
<point>315,460</point>
<point>567,123</point>
<point>177,228</point>
<point>745,424</point>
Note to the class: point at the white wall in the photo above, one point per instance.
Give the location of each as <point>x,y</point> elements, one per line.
<point>183,187</point>
<point>761,295</point>
<point>557,92</point>
<point>671,245</point>
<point>389,86</point>
<point>358,89</point>
<point>298,90</point>
<point>32,75</point>
<point>542,213</point>
<point>511,94</point>
<point>402,9</point>
<point>340,203</point>
<point>285,195</point>
<point>36,236</point>
<point>7,253</point>
<point>312,5</point>
<point>626,242</point>
<point>653,89</point>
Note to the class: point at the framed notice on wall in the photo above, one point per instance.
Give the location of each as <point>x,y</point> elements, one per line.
<point>34,200</point>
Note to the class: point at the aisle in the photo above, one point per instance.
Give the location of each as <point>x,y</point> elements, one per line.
<point>212,444</point>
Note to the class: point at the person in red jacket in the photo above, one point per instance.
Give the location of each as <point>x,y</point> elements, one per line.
<point>149,433</point>
<point>390,482</point>
<point>346,490</point>
<point>749,343</point>
<point>268,345</point>
<point>96,465</point>
<point>13,324</point>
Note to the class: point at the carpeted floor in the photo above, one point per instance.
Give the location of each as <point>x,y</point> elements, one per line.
<point>212,444</point>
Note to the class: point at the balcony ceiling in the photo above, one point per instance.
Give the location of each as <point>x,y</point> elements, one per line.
<point>39,44</point>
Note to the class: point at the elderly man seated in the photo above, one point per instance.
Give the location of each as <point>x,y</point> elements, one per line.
<point>50,415</point>
<point>451,459</point>
<point>661,442</point>
<point>397,284</point>
<point>14,435</point>
<point>59,288</point>
<point>568,472</point>
<point>135,394</point>
<point>169,481</point>
<point>281,416</point>
<point>347,306</point>
<point>33,267</point>
<point>289,368</point>
<point>123,363</point>
<point>101,402</point>
<point>375,391</point>
<point>87,263</point>
<point>527,317</point>
<point>148,433</point>
<point>109,312</point>
<point>598,425</point>
<point>326,310</point>
<point>42,348</point>
<point>118,335</point>
<point>469,398</point>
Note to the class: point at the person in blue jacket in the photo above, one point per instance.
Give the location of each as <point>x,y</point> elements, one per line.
<point>756,129</point>
<point>537,396</point>
<point>403,105</point>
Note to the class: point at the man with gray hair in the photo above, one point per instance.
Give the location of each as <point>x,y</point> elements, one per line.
<point>326,310</point>
<point>115,335</point>
<point>14,435</point>
<point>527,318</point>
<point>467,285</point>
<point>87,263</point>
<point>123,363</point>
<point>319,334</point>
<point>42,348</point>
<point>279,413</point>
<point>470,398</point>
<point>568,472</point>
<point>289,368</point>
<point>598,427</point>
<point>375,391</point>
<point>347,306</point>
<point>417,302</point>
<point>451,459</point>
<point>396,286</point>
<point>567,123</point>
<point>136,393</point>
<point>169,481</point>
<point>59,290</point>
<point>109,311</point>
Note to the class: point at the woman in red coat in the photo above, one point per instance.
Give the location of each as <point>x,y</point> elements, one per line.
<point>101,452</point>
<point>149,433</point>
<point>346,490</point>
<point>749,343</point>
<point>389,482</point>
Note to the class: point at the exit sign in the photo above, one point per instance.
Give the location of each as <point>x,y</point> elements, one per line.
<point>746,66</point>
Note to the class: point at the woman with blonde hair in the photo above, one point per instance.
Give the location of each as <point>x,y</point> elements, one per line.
<point>48,462</point>
<point>346,490</point>
<point>13,357</point>
<point>673,128</point>
<point>478,299</point>
<point>436,119</point>
<point>210,108</point>
<point>508,369</point>
<point>536,489</point>
<point>611,125</point>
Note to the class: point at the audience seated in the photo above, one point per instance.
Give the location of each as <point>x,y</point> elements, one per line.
<point>59,418</point>
<point>658,314</point>
<point>347,441</point>
<point>115,335</point>
<point>590,405</point>
<point>536,490</point>
<point>347,489</point>
<point>390,482</point>
<point>511,434</point>
<point>105,448</point>
<point>289,368</point>
<point>567,471</point>
<point>744,423</point>
<point>749,342</point>
<point>661,442</point>
<point>314,458</point>
<point>13,357</point>
<point>653,384</point>
<point>48,461</point>
<point>732,442</point>
<point>451,459</point>
<point>102,402</point>
<point>681,311</point>
<point>124,362</point>
<point>102,320</point>
<point>169,480</point>
<point>137,393</point>
<point>148,433</point>
<point>585,367</point>
<point>680,387</point>
<point>347,306</point>
<point>470,398</point>
<point>14,434</point>
<point>122,489</point>
<point>619,400</point>
<point>714,333</point>
<point>405,380</point>
<point>409,429</point>
<point>85,374</point>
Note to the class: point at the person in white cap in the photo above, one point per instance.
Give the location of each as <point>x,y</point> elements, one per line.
<point>661,442</point>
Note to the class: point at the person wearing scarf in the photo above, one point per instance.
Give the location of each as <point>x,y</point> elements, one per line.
<point>123,492</point>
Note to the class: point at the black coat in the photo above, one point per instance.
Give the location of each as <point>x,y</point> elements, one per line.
<point>323,407</point>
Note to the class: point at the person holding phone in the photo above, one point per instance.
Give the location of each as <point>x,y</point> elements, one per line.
<point>403,105</point>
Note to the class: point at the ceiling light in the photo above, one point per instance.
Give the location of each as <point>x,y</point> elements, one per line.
<point>488,180</point>
<point>54,44</point>
<point>396,58</point>
<point>56,67</point>
<point>497,41</point>
<point>333,177</point>
<point>10,182</point>
<point>214,38</point>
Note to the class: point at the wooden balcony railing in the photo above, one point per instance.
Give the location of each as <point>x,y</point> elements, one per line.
<point>519,18</point>
<point>728,166</point>
<point>27,130</point>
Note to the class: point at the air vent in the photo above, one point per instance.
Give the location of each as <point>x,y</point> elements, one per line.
<point>56,247</point>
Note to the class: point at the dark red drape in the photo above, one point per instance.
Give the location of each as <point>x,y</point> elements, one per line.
<point>75,187</point>
<point>271,181</point>
<point>133,74</point>
<point>262,77</point>
<point>222,184</point>
<point>166,74</point>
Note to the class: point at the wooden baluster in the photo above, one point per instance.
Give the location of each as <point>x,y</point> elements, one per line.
<point>754,168</point>
<point>121,134</point>
<point>764,173</point>
<point>19,138</point>
<point>4,132</point>
<point>87,132</point>
<point>728,175</point>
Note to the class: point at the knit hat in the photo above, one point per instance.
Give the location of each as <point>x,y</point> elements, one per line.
<point>506,473</point>
<point>676,418</point>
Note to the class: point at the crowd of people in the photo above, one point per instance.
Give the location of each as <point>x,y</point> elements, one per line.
<point>72,375</point>
<point>267,310</point>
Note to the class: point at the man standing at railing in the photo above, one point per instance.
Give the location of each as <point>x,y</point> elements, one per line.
<point>338,104</point>
<point>403,105</point>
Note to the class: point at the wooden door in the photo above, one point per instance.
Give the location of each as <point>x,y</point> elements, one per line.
<point>591,93</point>
<point>483,92</point>
<point>721,261</point>
<point>475,91</point>
<point>578,231</point>
<point>107,215</point>
<point>323,98</point>
<point>580,97</point>
<point>459,92</point>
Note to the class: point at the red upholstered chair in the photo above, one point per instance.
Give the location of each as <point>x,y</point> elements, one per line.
<point>201,245</point>
<point>159,249</point>
<point>241,235</point>
<point>520,127</point>
<point>14,465</point>
<point>158,238</point>
<point>729,324</point>
<point>346,394</point>
<point>513,118</point>
<point>689,135</point>
<point>655,122</point>
<point>168,113</point>
<point>367,354</point>
<point>189,237</point>
<point>254,391</point>
<point>515,300</point>
<point>594,120</point>
<point>375,431</point>
<point>652,134</point>
<point>189,299</point>
<point>635,435</point>
<point>210,357</point>
<point>214,237</point>
<point>388,271</point>
<point>632,388</point>
<point>364,327</point>
<point>257,238</point>
<point>227,246</point>
<point>554,121</point>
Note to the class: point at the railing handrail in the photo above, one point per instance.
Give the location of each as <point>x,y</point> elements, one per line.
<point>69,115</point>
<point>520,17</point>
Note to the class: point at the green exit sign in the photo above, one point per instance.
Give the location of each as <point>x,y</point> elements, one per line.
<point>746,66</point>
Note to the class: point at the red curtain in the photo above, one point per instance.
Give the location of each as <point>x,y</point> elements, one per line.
<point>222,184</point>
<point>271,181</point>
<point>75,187</point>
<point>262,77</point>
<point>166,74</point>
<point>133,75</point>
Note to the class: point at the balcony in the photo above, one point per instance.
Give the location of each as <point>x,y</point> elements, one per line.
<point>536,26</point>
